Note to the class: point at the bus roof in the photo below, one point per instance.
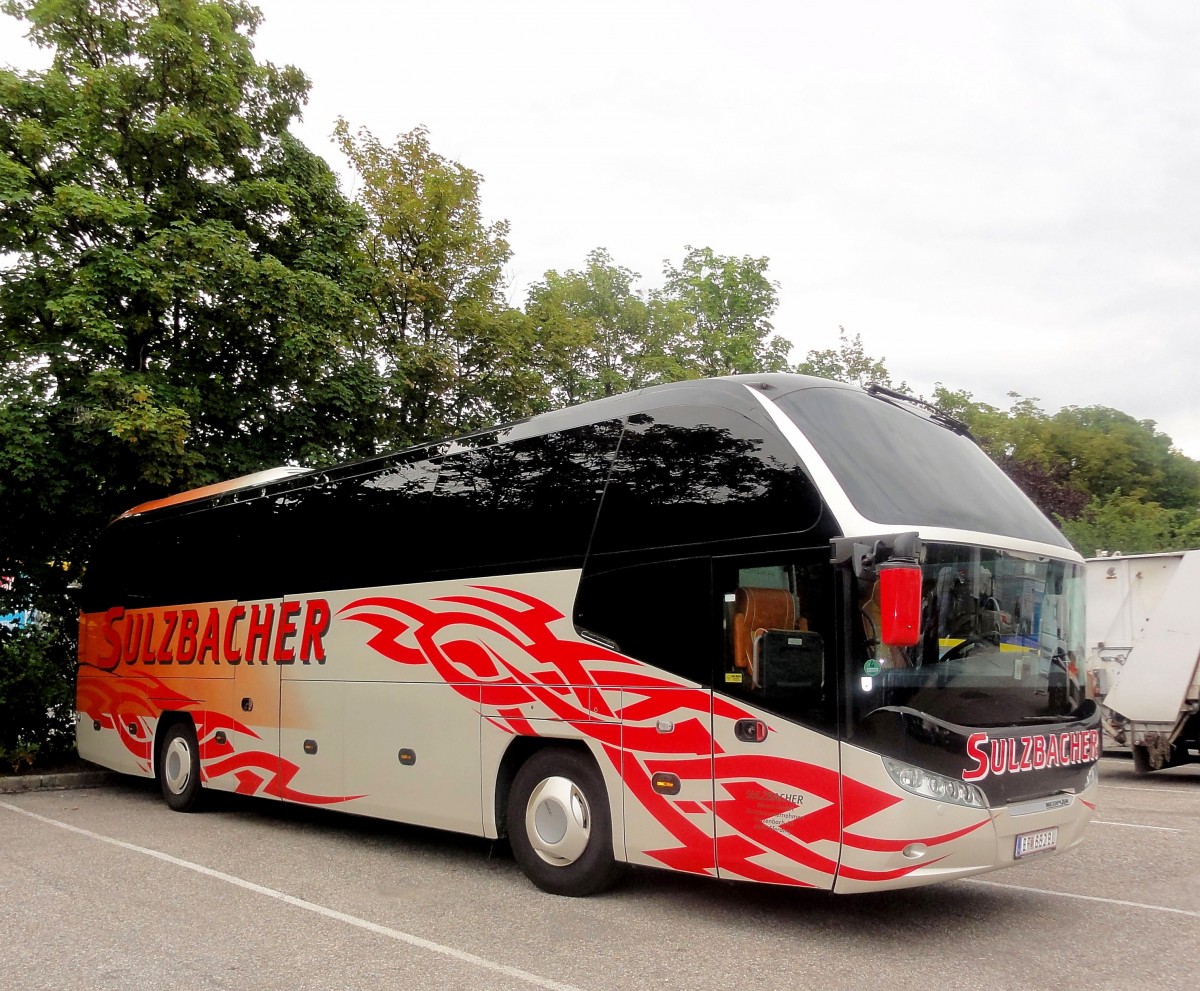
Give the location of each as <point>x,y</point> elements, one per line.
<point>728,387</point>
<point>253,480</point>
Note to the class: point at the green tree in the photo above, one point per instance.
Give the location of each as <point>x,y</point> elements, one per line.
<point>848,362</point>
<point>598,336</point>
<point>37,693</point>
<point>1111,451</point>
<point>728,303</point>
<point>178,276</point>
<point>1131,525</point>
<point>1145,495</point>
<point>454,357</point>
<point>170,247</point>
<point>1109,480</point>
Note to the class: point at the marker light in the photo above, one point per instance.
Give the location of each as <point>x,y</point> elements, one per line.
<point>918,781</point>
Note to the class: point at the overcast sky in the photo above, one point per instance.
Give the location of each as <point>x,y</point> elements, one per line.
<point>997,196</point>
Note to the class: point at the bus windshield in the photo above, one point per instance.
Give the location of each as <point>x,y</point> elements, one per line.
<point>899,468</point>
<point>1001,644</point>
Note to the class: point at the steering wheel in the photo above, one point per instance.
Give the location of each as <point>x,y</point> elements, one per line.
<point>967,642</point>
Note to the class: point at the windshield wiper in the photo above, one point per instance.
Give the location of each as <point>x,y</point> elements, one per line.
<point>937,415</point>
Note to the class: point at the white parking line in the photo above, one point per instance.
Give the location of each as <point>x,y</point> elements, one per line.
<point>1086,898</point>
<point>1166,791</point>
<point>329,913</point>
<point>1134,825</point>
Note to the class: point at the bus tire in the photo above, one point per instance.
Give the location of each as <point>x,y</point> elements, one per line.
<point>559,823</point>
<point>179,768</point>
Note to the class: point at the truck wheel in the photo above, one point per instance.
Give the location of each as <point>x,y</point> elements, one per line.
<point>179,768</point>
<point>1141,759</point>
<point>559,823</point>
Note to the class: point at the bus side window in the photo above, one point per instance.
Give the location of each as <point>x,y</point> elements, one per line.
<point>357,526</point>
<point>778,642</point>
<point>180,556</point>
<point>118,573</point>
<point>656,611</point>
<point>685,481</point>
<point>526,504</point>
<point>702,476</point>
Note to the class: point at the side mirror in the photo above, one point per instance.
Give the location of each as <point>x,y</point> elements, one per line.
<point>900,603</point>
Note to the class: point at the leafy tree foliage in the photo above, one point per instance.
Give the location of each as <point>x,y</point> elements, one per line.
<point>1110,451</point>
<point>37,693</point>
<point>453,356</point>
<point>848,362</point>
<point>177,275</point>
<point>1109,480</point>
<point>1131,525</point>
<point>598,336</point>
<point>727,303</point>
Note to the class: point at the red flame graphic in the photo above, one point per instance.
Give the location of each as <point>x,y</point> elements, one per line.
<point>458,636</point>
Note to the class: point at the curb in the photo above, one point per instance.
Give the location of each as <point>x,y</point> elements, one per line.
<point>17,784</point>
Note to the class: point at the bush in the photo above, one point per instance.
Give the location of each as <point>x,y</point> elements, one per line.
<point>37,694</point>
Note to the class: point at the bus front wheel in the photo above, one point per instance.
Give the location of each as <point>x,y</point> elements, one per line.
<point>179,768</point>
<point>559,823</point>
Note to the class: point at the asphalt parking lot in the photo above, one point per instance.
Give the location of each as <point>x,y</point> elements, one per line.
<point>106,888</point>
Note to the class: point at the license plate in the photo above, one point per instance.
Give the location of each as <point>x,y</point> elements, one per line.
<point>1039,842</point>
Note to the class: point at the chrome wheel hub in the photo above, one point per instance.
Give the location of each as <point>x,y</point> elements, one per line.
<point>177,765</point>
<point>558,821</point>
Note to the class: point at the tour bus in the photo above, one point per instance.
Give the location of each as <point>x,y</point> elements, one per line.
<point>766,628</point>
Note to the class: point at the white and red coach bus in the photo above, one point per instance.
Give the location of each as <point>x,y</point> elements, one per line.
<point>768,628</point>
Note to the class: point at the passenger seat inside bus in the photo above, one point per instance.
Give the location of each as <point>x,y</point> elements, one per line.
<point>758,614</point>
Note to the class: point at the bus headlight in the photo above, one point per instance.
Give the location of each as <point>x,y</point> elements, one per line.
<point>1093,776</point>
<point>940,788</point>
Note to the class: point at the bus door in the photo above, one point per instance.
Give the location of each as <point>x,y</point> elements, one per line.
<point>666,737</point>
<point>776,762</point>
<point>778,805</point>
<point>656,615</point>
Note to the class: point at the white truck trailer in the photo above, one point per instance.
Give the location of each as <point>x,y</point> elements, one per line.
<point>1143,644</point>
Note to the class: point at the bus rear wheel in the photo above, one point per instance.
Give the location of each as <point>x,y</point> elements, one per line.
<point>179,768</point>
<point>559,825</point>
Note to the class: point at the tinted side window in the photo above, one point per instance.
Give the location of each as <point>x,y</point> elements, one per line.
<point>702,475</point>
<point>780,634</point>
<point>114,574</point>
<point>527,504</point>
<point>203,555</point>
<point>523,504</point>
<point>662,613</point>
<point>357,531</point>
<point>219,553</point>
<point>761,628</point>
